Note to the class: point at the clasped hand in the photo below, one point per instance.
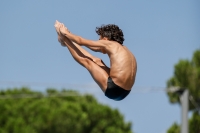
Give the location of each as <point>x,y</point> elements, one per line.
<point>60,28</point>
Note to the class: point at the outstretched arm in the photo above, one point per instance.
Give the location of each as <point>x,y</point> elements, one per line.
<point>62,38</point>
<point>81,41</point>
<point>95,49</point>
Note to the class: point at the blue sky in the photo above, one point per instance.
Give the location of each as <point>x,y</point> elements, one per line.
<point>159,34</point>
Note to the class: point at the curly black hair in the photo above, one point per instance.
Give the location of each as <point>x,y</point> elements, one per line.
<point>112,32</point>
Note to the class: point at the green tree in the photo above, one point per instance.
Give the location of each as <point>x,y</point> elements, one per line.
<point>26,111</point>
<point>175,128</point>
<point>194,125</point>
<point>187,76</point>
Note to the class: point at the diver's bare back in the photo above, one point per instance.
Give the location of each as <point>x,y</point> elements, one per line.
<point>123,65</point>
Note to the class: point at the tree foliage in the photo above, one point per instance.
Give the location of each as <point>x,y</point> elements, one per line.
<point>187,76</point>
<point>26,111</point>
<point>175,128</point>
<point>194,125</point>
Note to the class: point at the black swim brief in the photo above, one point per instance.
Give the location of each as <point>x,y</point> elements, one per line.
<point>115,92</point>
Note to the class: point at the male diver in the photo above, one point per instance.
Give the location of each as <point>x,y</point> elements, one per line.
<point>117,81</point>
